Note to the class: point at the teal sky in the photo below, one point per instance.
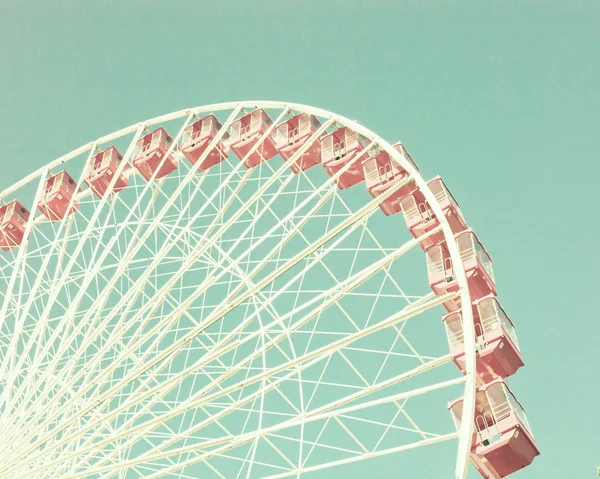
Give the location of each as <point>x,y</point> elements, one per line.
<point>499,98</point>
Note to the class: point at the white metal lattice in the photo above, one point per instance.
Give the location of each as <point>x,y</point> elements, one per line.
<point>227,323</point>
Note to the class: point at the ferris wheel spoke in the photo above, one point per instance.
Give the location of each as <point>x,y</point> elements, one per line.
<point>205,373</point>
<point>294,372</point>
<point>18,271</point>
<point>92,221</point>
<point>61,278</point>
<point>108,248</point>
<point>302,362</point>
<point>224,429</point>
<point>231,117</point>
<point>59,355</point>
<point>281,116</point>
<point>222,320</point>
<point>261,399</point>
<point>364,456</point>
<point>400,407</point>
<point>40,325</point>
<point>19,265</point>
<point>385,385</point>
<point>318,257</point>
<point>329,410</point>
<point>367,231</point>
<point>324,301</point>
<point>42,392</point>
<point>22,254</point>
<point>242,325</point>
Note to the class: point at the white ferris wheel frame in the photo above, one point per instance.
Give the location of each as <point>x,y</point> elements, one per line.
<point>465,432</point>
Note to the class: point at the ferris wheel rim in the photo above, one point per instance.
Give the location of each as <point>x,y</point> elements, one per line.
<point>466,428</point>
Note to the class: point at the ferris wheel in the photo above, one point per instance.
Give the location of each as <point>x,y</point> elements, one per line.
<point>244,290</point>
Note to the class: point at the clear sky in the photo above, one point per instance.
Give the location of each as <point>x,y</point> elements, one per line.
<point>500,98</point>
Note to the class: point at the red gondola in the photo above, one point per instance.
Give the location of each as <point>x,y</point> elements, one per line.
<point>502,441</point>
<point>149,152</point>
<point>246,132</point>
<point>381,173</point>
<point>196,139</point>
<point>58,192</point>
<point>420,218</point>
<point>340,148</point>
<point>476,262</point>
<point>498,353</point>
<point>13,218</point>
<point>104,167</point>
<point>291,135</point>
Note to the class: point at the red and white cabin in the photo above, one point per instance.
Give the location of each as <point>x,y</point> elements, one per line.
<point>339,148</point>
<point>196,139</point>
<point>381,173</point>
<point>149,152</point>
<point>13,218</point>
<point>498,353</point>
<point>247,132</point>
<point>104,166</point>
<point>58,192</point>
<point>419,216</point>
<point>291,135</point>
<point>503,442</point>
<point>476,262</point>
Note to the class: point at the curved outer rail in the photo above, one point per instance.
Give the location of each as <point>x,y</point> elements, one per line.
<point>466,427</point>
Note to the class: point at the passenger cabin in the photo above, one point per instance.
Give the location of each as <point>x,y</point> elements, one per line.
<point>13,219</point>
<point>57,194</point>
<point>419,216</point>
<point>339,148</point>
<point>498,353</point>
<point>196,139</point>
<point>104,165</point>
<point>382,172</point>
<point>476,263</point>
<point>248,131</point>
<point>503,442</point>
<point>150,154</point>
<point>291,135</point>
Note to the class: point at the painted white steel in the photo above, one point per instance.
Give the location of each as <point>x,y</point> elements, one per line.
<point>21,453</point>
